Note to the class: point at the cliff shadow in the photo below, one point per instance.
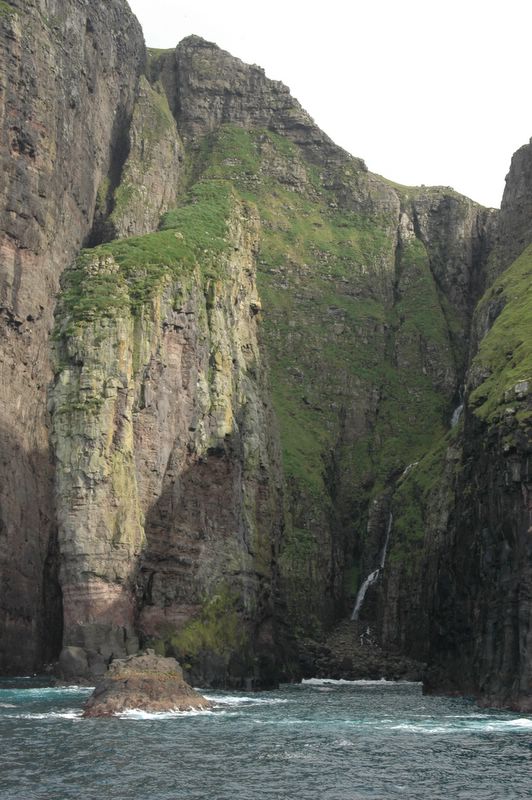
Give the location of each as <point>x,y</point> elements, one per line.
<point>209,568</point>
<point>30,595</point>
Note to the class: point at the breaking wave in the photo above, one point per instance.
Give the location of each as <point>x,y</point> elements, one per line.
<point>362,682</point>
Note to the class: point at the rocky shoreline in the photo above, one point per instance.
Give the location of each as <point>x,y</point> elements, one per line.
<point>347,654</point>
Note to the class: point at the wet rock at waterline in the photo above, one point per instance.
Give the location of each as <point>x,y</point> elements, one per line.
<point>146,682</point>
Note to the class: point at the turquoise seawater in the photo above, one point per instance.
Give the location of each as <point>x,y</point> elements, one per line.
<point>315,741</point>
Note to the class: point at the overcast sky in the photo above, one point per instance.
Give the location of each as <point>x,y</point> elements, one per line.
<point>426,92</point>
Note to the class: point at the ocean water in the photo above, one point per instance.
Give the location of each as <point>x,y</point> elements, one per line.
<point>315,741</point>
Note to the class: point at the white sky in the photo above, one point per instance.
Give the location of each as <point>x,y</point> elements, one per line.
<point>425,92</point>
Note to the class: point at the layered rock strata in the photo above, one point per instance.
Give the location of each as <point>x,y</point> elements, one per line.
<point>386,310</point>
<point>167,483</point>
<point>68,76</point>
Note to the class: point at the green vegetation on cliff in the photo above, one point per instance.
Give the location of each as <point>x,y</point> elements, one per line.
<point>504,359</point>
<point>6,8</point>
<point>362,366</point>
<point>500,370</point>
<point>354,325</point>
<point>413,409</point>
<point>216,631</point>
<point>315,279</point>
<point>414,502</point>
<point>127,273</point>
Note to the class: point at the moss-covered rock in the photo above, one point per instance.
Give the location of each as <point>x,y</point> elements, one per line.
<point>166,441</point>
<point>501,371</point>
<point>167,473</point>
<point>6,8</point>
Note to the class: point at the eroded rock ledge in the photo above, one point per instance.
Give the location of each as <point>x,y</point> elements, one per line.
<point>146,682</point>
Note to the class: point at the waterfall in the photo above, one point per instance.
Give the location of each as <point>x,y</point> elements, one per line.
<point>457,413</point>
<point>408,468</point>
<point>372,577</point>
<point>370,580</point>
<point>387,540</point>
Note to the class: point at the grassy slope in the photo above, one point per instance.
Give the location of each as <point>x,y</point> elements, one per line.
<point>504,358</point>
<point>505,353</point>
<point>347,329</point>
<point>191,236</point>
<point>335,333</point>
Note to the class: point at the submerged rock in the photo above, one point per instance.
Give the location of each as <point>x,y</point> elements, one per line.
<point>146,682</point>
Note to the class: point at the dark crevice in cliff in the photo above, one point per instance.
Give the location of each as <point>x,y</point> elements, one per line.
<point>52,634</point>
<point>482,248</point>
<point>459,343</point>
<point>343,548</point>
<point>102,230</point>
<point>481,604</point>
<point>398,257</point>
<point>220,639</point>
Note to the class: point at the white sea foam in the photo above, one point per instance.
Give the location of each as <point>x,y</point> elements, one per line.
<point>462,716</point>
<point>362,682</point>
<point>69,713</point>
<point>48,691</point>
<point>420,728</point>
<point>7,705</point>
<point>517,723</point>
<point>474,724</point>
<point>219,700</point>
<point>343,743</point>
<point>139,714</point>
<point>237,700</point>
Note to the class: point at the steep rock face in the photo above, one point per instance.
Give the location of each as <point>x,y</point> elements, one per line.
<point>175,524</point>
<point>368,290</point>
<point>481,636</point>
<point>209,87</point>
<point>68,75</point>
<point>167,482</point>
<point>152,173</point>
<point>514,231</point>
<point>458,235</point>
<point>99,519</point>
<point>456,591</point>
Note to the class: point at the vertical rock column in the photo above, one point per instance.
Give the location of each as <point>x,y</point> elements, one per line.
<point>68,76</point>
<point>99,518</point>
<point>162,430</point>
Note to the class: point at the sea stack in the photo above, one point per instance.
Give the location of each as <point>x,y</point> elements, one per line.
<point>146,682</point>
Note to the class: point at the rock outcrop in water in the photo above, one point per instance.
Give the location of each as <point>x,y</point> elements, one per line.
<point>254,365</point>
<point>144,682</point>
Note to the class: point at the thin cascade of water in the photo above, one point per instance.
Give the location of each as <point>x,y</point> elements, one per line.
<point>387,540</point>
<point>457,413</point>
<point>370,580</point>
<point>409,468</point>
<point>372,577</point>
